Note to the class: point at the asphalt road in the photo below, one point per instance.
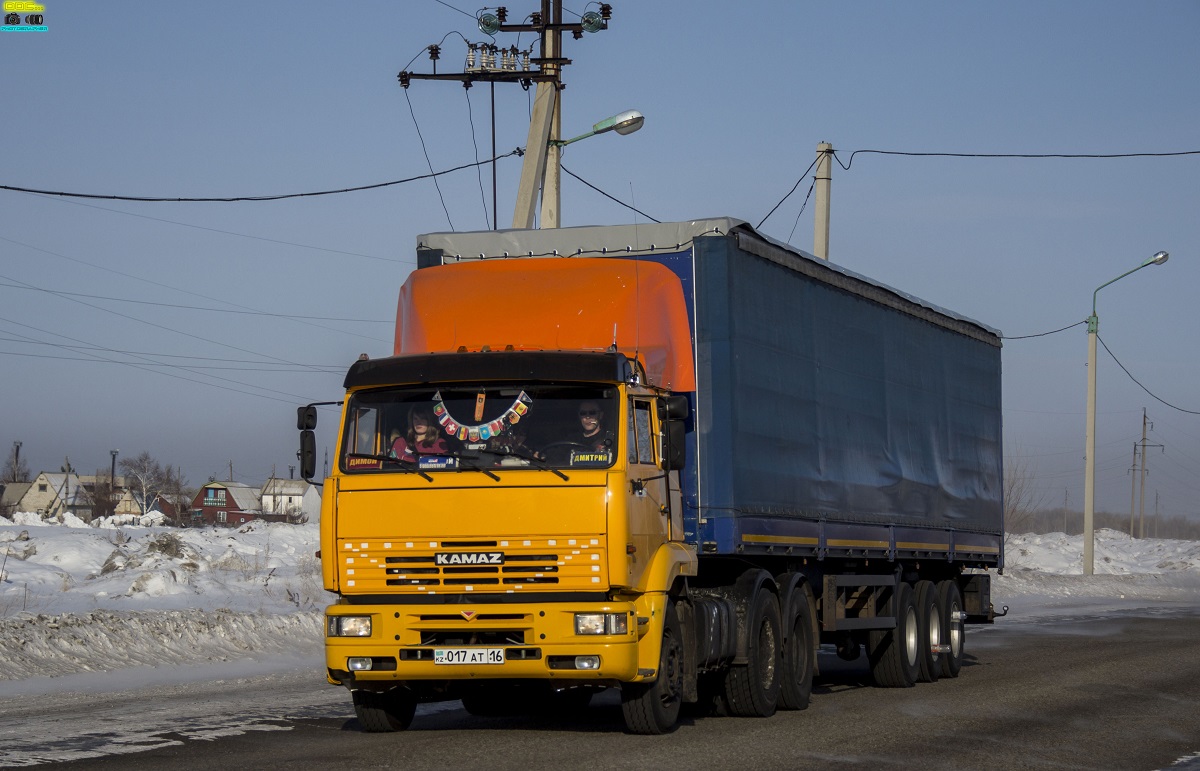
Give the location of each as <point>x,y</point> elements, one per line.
<point>1114,691</point>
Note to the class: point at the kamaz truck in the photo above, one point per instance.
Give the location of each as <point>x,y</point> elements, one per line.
<point>673,460</point>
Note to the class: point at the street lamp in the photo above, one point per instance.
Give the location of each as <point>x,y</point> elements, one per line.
<point>541,167</point>
<point>1089,475</point>
<point>622,123</point>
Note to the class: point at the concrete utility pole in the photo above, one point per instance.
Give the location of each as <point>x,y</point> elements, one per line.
<point>540,170</point>
<point>821,213</point>
<point>1132,488</point>
<point>1142,505</point>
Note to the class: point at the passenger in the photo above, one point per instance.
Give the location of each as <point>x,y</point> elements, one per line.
<point>423,437</point>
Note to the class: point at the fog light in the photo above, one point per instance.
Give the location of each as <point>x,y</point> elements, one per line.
<point>348,626</point>
<point>358,664</point>
<point>587,662</point>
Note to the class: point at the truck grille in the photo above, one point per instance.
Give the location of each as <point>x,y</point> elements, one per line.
<point>576,562</point>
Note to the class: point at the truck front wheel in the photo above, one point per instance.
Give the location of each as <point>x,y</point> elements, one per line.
<point>384,712</point>
<point>653,708</point>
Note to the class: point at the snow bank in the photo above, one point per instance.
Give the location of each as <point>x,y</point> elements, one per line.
<point>114,596</point>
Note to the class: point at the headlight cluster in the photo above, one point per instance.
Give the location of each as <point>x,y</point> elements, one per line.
<point>348,626</point>
<point>601,623</point>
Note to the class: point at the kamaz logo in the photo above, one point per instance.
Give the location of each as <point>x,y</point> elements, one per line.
<point>469,558</point>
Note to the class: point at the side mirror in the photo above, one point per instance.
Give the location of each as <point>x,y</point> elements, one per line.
<point>306,418</point>
<point>308,452</point>
<point>676,449</point>
<point>673,408</point>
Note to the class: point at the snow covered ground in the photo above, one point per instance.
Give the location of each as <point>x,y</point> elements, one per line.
<point>88,608</point>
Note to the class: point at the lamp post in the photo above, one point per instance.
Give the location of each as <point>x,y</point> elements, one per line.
<point>1089,474</point>
<point>112,480</point>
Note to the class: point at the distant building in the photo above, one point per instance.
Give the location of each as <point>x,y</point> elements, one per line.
<point>11,494</point>
<point>227,504</point>
<point>290,500</point>
<point>53,495</point>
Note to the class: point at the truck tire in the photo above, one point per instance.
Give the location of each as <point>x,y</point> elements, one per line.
<point>929,619</point>
<point>384,712</point>
<point>752,689</point>
<point>953,632</point>
<point>798,655</point>
<point>893,653</point>
<point>653,708</point>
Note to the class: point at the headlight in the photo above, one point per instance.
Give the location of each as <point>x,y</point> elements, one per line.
<point>601,623</point>
<point>348,626</point>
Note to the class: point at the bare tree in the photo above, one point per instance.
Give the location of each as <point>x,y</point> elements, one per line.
<point>15,468</point>
<point>144,476</point>
<point>104,495</point>
<point>177,493</point>
<point>1021,500</point>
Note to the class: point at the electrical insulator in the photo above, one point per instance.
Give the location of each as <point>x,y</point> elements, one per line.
<point>493,56</point>
<point>513,53</point>
<point>470,56</point>
<point>502,14</point>
<point>535,19</point>
<point>435,52</point>
<point>525,61</point>
<point>605,11</point>
<point>403,78</point>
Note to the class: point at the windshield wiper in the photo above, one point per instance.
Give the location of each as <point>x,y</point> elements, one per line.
<point>462,456</point>
<point>407,465</point>
<point>532,458</point>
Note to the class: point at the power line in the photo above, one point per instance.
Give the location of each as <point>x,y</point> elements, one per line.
<point>318,368</point>
<point>240,198</point>
<point>1134,379</point>
<point>31,287</point>
<point>1043,334</point>
<point>789,193</point>
<point>478,169</point>
<point>429,162</point>
<point>606,195</point>
<point>225,232</point>
<point>173,288</point>
<point>906,153</point>
<point>1035,156</point>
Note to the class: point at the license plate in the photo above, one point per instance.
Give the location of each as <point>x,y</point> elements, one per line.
<point>468,655</point>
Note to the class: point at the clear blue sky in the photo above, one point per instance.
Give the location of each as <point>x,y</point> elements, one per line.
<point>201,99</point>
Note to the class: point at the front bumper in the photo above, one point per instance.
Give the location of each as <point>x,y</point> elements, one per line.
<point>538,639</point>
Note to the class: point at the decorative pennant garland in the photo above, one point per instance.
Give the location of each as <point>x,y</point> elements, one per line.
<point>481,431</point>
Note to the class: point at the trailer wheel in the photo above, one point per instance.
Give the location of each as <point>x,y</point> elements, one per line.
<point>953,633</point>
<point>798,655</point>
<point>893,653</point>
<point>929,619</point>
<point>384,712</point>
<point>653,708</point>
<point>752,689</point>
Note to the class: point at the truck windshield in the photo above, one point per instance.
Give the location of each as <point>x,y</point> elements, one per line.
<point>451,428</point>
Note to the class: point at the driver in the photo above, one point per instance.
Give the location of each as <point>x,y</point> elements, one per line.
<point>592,433</point>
